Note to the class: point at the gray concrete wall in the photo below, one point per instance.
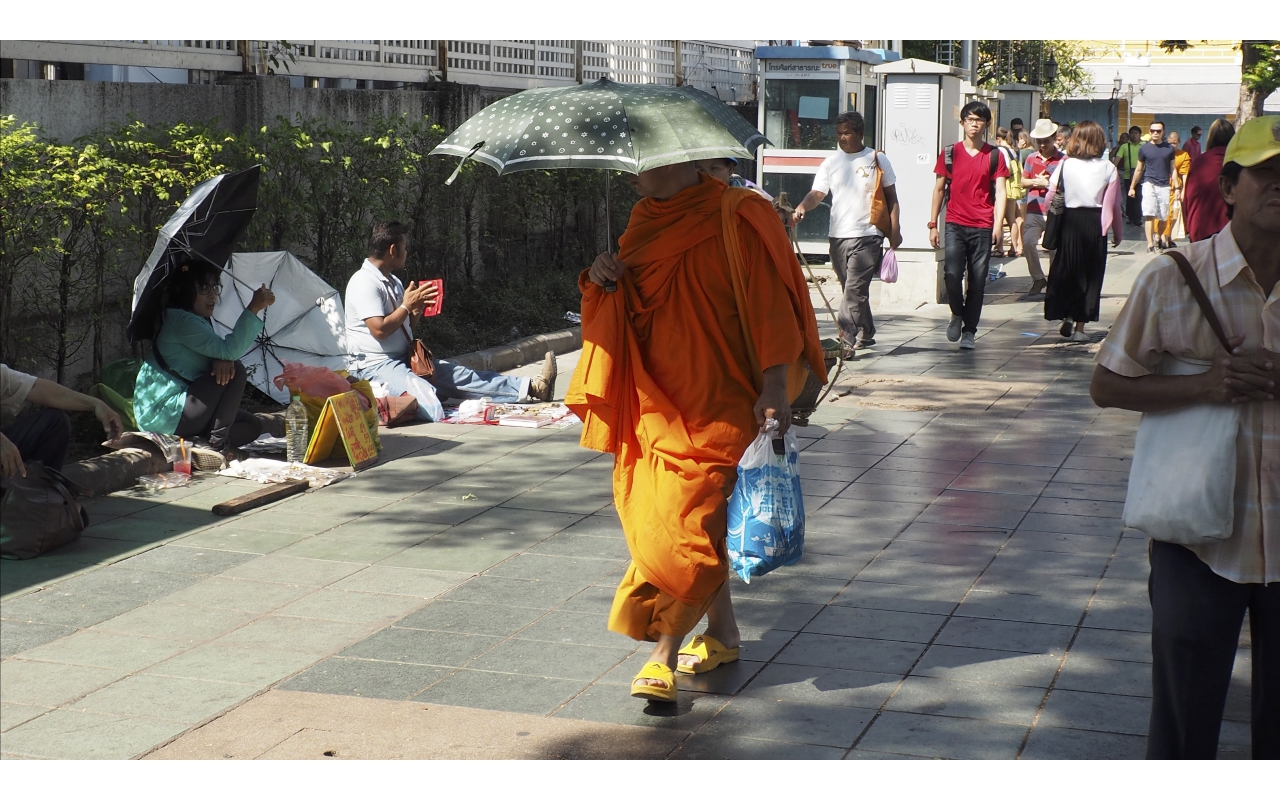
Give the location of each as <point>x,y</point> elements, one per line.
<point>68,109</point>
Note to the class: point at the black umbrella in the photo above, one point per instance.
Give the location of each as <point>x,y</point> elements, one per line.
<point>204,228</point>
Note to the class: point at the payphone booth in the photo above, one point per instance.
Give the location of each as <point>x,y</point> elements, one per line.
<point>805,89</point>
<point>920,114</point>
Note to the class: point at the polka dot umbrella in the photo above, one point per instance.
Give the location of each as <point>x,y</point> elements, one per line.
<point>602,125</point>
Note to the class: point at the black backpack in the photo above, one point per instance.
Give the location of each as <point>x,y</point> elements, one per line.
<point>38,513</point>
<point>949,157</point>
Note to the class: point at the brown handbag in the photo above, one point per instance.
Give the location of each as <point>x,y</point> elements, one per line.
<point>421,362</point>
<point>880,216</point>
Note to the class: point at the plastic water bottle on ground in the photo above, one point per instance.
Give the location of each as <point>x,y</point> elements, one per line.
<point>296,433</point>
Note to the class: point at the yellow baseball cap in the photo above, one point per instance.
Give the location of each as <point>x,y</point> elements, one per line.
<point>1255,142</point>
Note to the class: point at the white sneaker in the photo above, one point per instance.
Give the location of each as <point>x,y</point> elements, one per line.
<point>967,342</point>
<point>953,330</point>
<point>1080,336</point>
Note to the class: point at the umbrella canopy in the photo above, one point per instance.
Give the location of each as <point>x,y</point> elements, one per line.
<point>603,125</point>
<point>204,228</point>
<point>304,326</point>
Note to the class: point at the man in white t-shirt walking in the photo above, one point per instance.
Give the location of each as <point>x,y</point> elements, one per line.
<point>849,175</point>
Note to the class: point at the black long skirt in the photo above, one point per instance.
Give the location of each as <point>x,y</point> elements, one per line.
<point>1078,267</point>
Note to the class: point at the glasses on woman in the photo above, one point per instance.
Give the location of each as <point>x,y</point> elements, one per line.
<point>209,288</point>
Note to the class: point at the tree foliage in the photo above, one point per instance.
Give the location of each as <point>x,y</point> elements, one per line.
<point>78,220</point>
<point>1259,73</point>
<point>1002,61</point>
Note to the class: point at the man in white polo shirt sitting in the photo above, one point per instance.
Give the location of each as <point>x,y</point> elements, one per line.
<point>849,175</point>
<point>379,328</point>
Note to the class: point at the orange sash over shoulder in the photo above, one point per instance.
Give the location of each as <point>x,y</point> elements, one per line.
<point>671,367</point>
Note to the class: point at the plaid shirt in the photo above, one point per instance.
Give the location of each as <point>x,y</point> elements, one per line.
<point>1161,316</point>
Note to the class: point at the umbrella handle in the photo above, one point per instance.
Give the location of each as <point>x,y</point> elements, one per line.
<point>454,176</point>
<point>609,286</point>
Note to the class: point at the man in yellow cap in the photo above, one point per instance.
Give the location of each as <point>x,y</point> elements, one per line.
<point>1199,594</point>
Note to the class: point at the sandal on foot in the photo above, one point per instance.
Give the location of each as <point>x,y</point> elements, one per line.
<point>657,671</point>
<point>711,652</point>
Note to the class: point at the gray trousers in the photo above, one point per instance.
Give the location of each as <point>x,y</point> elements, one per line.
<point>1195,624</point>
<point>855,262</point>
<point>1032,230</point>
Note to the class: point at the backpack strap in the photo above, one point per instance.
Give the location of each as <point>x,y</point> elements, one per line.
<point>1202,299</point>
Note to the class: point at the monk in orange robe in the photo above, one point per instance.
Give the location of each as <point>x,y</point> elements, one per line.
<point>709,333</point>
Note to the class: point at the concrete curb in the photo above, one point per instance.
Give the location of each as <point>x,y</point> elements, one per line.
<point>522,351</point>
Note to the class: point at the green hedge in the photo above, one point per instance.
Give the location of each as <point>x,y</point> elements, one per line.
<point>79,220</point>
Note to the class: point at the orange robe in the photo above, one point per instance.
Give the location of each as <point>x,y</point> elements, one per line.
<point>670,372</point>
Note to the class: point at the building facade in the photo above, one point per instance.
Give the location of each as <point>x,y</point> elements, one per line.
<point>1135,82</point>
<point>725,69</point>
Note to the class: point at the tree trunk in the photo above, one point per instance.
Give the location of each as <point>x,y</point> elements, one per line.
<point>1251,100</point>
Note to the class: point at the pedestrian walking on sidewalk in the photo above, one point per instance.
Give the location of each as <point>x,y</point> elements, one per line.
<point>1156,179</point>
<point>707,336</point>
<point>1203,208</point>
<point>1013,191</point>
<point>1192,147</point>
<point>1035,177</point>
<point>851,176</point>
<point>1200,593</point>
<point>1092,188</point>
<point>1173,228</point>
<point>1126,161</point>
<point>970,181</point>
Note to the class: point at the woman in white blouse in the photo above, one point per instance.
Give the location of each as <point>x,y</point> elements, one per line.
<point>1093,207</point>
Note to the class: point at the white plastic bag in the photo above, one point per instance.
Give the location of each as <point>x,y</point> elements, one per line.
<point>766,509</point>
<point>1183,475</point>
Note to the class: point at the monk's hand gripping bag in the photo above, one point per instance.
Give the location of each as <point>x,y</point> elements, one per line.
<point>766,509</point>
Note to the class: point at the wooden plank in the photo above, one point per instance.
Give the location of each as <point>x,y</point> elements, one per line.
<point>269,494</point>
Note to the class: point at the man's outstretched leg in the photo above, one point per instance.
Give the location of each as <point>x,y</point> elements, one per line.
<point>718,644</point>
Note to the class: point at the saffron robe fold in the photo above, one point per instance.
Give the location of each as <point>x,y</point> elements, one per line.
<point>669,375</point>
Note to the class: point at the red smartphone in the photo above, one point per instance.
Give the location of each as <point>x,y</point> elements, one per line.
<point>433,308</point>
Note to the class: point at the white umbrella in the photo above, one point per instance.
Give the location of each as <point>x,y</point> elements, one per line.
<point>305,325</point>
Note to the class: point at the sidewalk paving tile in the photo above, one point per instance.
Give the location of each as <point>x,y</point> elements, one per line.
<point>365,678</point>
<point>293,633</point>
<point>1074,544</point>
<point>1085,566</point>
<point>942,737</point>
<point>1021,608</point>
<point>1108,713</point>
<point>955,553</point>
<point>1065,743</point>
<point>754,613</point>
<point>512,591</point>
<point>1122,645</point>
<point>76,735</point>
<point>243,540</point>
<point>550,659</point>
<point>358,607</point>
<point>429,648</point>
<point>991,634</point>
<point>165,620</point>
<point>14,714</point>
<point>384,580</point>
<point>89,648</point>
<point>275,568</point>
<point>18,636</point>
<point>158,697</point>
<point>581,572</point>
<point>822,685</point>
<point>66,611</point>
<point>949,698</point>
<point>525,694</point>
<point>846,652</point>
<point>1066,523</point>
<point>900,597</point>
<point>237,594</point>
<point>611,703</point>
<point>1085,673</point>
<point>717,747</point>
<point>1119,616</point>
<point>869,623</point>
<point>583,546</point>
<point>247,666</point>
<point>978,665</point>
<point>789,721</point>
<point>40,683</point>
<point>459,617</point>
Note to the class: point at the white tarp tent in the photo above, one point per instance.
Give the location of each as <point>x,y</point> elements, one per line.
<point>304,325</point>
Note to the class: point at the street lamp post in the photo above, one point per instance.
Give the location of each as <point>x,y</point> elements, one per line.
<point>1116,84</point>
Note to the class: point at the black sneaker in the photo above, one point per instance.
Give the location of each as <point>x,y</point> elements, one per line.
<point>865,341</point>
<point>1151,248</point>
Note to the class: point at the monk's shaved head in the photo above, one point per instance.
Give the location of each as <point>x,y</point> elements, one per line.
<point>662,183</point>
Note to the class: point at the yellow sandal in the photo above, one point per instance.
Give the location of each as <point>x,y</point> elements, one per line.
<point>655,670</point>
<point>711,652</point>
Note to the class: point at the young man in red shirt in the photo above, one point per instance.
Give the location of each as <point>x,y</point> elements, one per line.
<point>974,177</point>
